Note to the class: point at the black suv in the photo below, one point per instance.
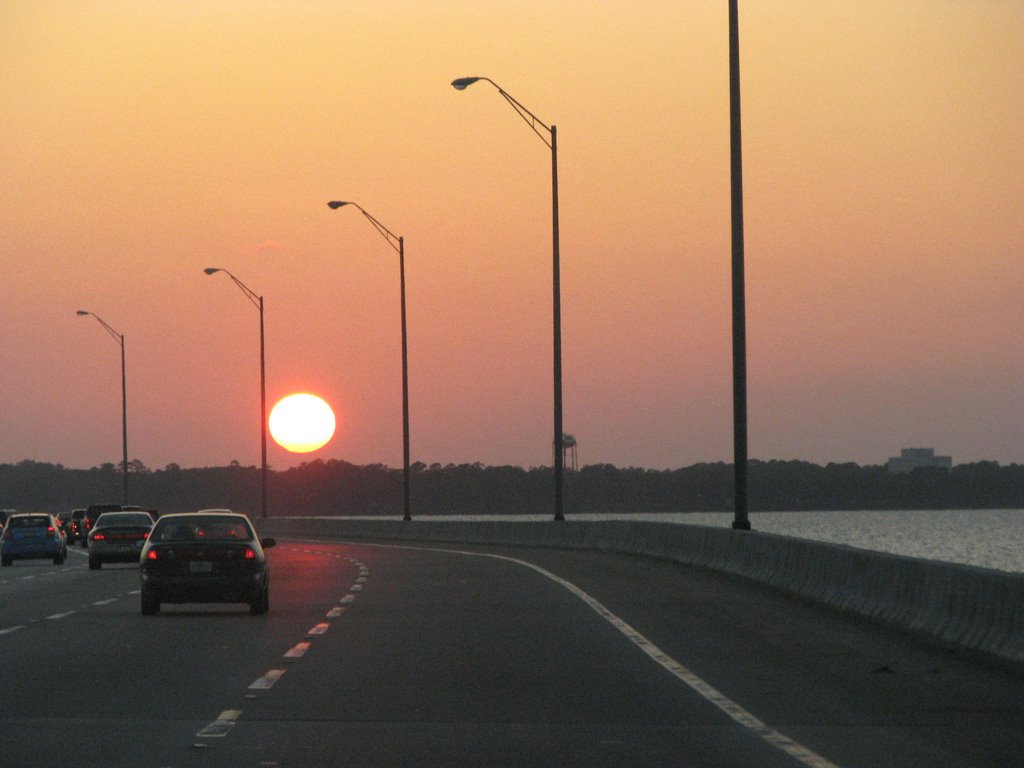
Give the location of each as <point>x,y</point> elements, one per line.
<point>89,519</point>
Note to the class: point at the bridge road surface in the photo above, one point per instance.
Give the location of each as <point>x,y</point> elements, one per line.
<point>387,656</point>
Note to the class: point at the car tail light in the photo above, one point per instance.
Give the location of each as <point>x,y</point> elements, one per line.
<point>99,537</point>
<point>250,553</point>
<point>49,531</point>
<point>151,555</point>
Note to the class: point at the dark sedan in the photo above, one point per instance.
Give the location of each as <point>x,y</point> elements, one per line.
<point>75,528</point>
<point>205,557</point>
<point>118,537</point>
<point>92,513</point>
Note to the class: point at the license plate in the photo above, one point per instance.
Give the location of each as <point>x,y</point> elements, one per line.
<point>200,566</point>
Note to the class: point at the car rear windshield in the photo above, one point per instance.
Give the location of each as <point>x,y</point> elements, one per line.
<point>37,521</point>
<point>203,528</point>
<point>108,519</point>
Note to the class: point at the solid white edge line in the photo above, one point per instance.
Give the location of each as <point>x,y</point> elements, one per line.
<point>779,740</point>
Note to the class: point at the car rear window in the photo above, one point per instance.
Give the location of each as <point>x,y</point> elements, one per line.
<point>203,528</point>
<point>123,518</point>
<point>29,522</point>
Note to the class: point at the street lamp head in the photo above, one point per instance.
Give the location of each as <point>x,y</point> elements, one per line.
<point>336,204</point>
<point>82,313</point>
<point>463,83</point>
<point>211,270</point>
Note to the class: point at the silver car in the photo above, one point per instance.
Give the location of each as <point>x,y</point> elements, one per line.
<point>118,537</point>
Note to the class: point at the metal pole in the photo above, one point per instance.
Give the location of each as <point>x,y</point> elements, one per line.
<point>557,342</point>
<point>407,514</point>
<point>263,416</point>
<point>739,325</point>
<point>124,419</point>
<point>257,301</point>
<point>461,84</point>
<point>392,239</point>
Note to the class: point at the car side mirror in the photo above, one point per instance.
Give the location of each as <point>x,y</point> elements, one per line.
<point>268,542</point>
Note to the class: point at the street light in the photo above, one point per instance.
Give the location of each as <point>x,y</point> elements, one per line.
<point>398,243</point>
<point>739,322</point>
<point>258,302</point>
<point>551,140</point>
<point>119,338</point>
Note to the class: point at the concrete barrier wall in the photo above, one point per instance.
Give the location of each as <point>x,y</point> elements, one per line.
<point>976,608</point>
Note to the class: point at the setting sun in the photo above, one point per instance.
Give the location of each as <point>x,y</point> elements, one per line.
<point>302,423</point>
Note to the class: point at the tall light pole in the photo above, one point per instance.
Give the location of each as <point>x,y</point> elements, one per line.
<point>119,338</point>
<point>398,243</point>
<point>551,140</point>
<point>258,303</point>
<point>739,322</point>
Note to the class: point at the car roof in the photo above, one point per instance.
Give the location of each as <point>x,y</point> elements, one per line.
<point>223,512</point>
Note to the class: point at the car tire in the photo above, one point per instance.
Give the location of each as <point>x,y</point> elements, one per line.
<point>95,564</point>
<point>58,559</point>
<point>83,543</point>
<point>261,603</point>
<point>6,561</point>
<point>150,604</point>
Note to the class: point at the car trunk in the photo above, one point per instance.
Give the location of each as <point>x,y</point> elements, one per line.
<point>188,559</point>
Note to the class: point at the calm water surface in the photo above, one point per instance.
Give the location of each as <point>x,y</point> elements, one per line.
<point>990,538</point>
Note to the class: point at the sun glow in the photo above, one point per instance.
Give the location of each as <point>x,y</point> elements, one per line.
<point>301,423</point>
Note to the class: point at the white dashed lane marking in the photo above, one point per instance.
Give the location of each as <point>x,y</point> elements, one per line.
<point>266,682</point>
<point>297,651</point>
<point>222,726</point>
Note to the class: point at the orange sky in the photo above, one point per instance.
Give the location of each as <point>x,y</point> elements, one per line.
<point>141,141</point>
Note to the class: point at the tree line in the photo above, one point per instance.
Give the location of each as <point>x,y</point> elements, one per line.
<point>340,488</point>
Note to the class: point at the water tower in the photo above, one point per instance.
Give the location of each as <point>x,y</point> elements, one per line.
<point>569,458</point>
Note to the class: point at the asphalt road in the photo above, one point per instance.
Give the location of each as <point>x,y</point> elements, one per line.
<point>389,656</point>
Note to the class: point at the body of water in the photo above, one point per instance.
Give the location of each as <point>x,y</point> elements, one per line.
<point>990,538</point>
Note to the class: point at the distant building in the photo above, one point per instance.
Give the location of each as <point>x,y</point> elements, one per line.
<point>918,458</point>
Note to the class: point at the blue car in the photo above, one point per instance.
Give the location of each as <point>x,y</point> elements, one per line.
<point>33,535</point>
